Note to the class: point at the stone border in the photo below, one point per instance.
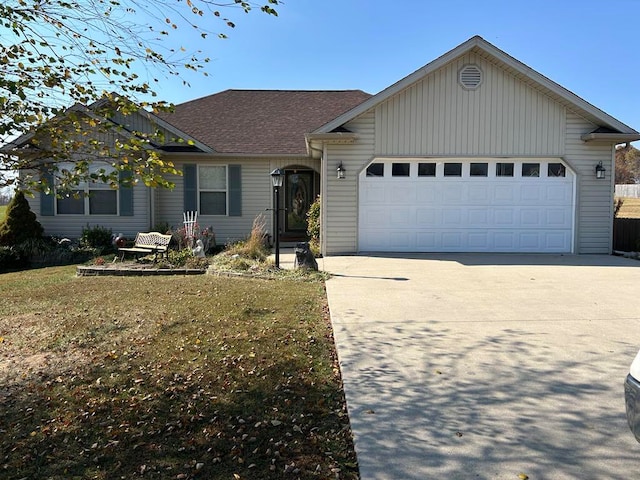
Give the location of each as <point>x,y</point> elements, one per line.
<point>128,271</point>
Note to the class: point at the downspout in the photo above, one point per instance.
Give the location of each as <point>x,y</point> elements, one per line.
<point>152,209</point>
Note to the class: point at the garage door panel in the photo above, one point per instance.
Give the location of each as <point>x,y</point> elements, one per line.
<point>426,241</point>
<point>479,217</point>
<point>531,194</point>
<point>479,193</point>
<point>503,194</point>
<point>452,217</point>
<point>530,217</point>
<point>504,217</point>
<point>478,240</point>
<point>426,194</point>
<point>426,217</point>
<point>401,194</point>
<point>560,193</point>
<point>402,217</point>
<point>466,214</point>
<point>452,240</point>
<point>374,194</point>
<point>558,217</point>
<point>453,193</point>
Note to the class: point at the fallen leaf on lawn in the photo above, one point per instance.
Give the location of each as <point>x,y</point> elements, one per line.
<point>523,476</point>
<point>275,423</point>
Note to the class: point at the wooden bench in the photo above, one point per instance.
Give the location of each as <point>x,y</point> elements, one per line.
<point>147,243</point>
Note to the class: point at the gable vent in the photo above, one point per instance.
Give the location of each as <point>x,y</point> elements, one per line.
<point>470,77</point>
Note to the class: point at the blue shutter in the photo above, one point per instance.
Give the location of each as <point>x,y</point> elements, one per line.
<point>126,194</point>
<point>235,191</point>
<point>47,201</point>
<point>190,181</point>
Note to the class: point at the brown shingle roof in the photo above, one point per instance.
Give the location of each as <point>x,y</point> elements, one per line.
<point>261,121</point>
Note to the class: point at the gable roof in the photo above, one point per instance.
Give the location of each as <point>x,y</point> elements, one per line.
<point>261,122</point>
<point>480,46</point>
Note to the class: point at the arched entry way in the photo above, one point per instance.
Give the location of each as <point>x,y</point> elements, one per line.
<point>300,188</point>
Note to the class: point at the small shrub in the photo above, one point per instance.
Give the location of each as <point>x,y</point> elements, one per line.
<point>11,259</point>
<point>313,226</point>
<point>162,227</point>
<point>97,237</point>
<point>20,223</point>
<point>197,263</point>
<point>179,258</point>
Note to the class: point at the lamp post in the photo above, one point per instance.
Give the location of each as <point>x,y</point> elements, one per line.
<point>276,179</point>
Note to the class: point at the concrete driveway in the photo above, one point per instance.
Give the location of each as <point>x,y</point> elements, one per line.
<point>487,366</point>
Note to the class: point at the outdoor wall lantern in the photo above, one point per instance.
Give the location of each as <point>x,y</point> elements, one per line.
<point>340,171</point>
<point>277,177</point>
<point>600,170</point>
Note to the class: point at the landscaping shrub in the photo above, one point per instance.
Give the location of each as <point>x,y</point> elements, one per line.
<point>162,227</point>
<point>313,226</point>
<point>11,259</point>
<point>20,223</point>
<point>178,258</point>
<point>97,237</point>
<point>254,246</point>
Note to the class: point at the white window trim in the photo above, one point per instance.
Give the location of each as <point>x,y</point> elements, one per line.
<point>85,189</point>
<point>225,190</point>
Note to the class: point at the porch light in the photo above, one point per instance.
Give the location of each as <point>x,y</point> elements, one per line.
<point>340,170</point>
<point>600,171</point>
<point>276,179</point>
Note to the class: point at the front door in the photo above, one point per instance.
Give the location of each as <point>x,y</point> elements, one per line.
<point>299,195</point>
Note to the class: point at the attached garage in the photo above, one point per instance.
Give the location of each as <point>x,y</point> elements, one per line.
<point>466,205</point>
<point>474,152</point>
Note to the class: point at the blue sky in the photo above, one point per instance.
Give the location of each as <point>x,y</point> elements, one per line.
<point>590,47</point>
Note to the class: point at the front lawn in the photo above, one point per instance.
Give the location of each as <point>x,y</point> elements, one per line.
<point>168,378</point>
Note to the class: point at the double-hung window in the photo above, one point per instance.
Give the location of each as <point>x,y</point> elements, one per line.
<point>212,189</point>
<point>89,198</point>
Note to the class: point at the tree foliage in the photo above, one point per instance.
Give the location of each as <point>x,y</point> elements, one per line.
<point>627,164</point>
<point>110,55</point>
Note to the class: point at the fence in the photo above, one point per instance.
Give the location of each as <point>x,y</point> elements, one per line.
<point>626,234</point>
<point>628,191</point>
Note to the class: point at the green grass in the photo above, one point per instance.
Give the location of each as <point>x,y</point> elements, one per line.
<point>3,211</point>
<point>168,377</point>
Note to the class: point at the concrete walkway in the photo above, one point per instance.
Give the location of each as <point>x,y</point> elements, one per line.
<point>487,366</point>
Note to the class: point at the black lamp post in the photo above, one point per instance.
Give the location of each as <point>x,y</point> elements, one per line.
<point>276,179</point>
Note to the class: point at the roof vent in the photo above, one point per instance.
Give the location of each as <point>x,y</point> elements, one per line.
<point>470,77</point>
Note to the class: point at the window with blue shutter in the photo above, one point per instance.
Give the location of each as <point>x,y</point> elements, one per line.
<point>47,201</point>
<point>190,180</point>
<point>235,191</point>
<point>126,195</point>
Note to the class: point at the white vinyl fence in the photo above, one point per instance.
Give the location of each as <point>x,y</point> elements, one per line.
<point>628,191</point>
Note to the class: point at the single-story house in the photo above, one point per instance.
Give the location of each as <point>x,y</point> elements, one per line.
<point>474,152</point>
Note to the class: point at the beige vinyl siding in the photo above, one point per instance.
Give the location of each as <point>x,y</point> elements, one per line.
<point>341,196</point>
<point>70,226</point>
<point>136,122</point>
<point>257,196</point>
<point>594,221</point>
<point>503,117</point>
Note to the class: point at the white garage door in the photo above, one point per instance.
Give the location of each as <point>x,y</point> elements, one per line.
<point>477,205</point>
